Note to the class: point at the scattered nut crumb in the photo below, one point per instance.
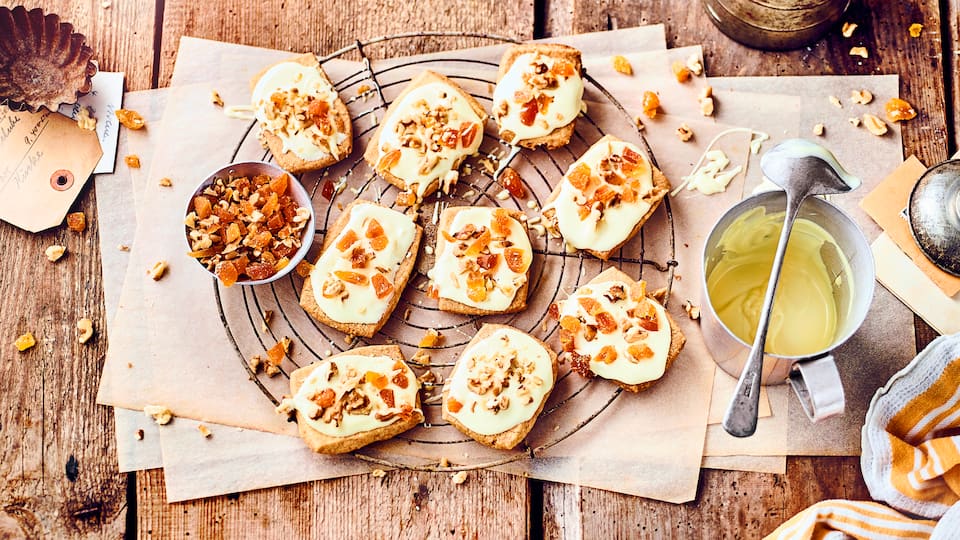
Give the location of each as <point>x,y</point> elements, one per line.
<point>532,205</point>
<point>123,247</point>
<point>503,195</point>
<point>861,97</point>
<point>706,91</point>
<point>622,65</point>
<point>363,89</point>
<point>85,121</point>
<point>129,365</point>
<point>166,182</point>
<point>874,125</point>
<point>138,435</point>
<point>855,121</point>
<point>694,64</point>
<point>158,270</point>
<point>161,415</point>
<point>915,30</point>
<point>216,99</point>
<point>848,29</point>
<point>459,478</point>
<point>76,221</point>
<point>684,133</point>
<point>444,462</point>
<point>638,121</point>
<point>265,324</point>
<point>421,357</point>
<point>378,473</point>
<point>54,252</point>
<point>254,363</point>
<point>818,130</point>
<point>25,341</point>
<point>835,101</point>
<point>84,330</point>
<point>132,161</point>
<point>859,51</point>
<point>205,431</point>
<point>692,311</point>
<point>706,106</point>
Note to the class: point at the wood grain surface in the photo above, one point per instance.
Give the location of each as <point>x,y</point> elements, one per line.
<point>57,455</point>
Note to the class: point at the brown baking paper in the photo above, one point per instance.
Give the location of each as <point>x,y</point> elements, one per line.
<point>45,160</point>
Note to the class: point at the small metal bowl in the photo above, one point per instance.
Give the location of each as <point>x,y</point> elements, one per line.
<point>297,191</point>
<point>934,215</point>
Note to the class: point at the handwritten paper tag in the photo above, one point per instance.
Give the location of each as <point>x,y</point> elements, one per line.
<point>102,101</point>
<point>45,159</point>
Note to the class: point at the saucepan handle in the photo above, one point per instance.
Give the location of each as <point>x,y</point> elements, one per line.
<point>817,384</point>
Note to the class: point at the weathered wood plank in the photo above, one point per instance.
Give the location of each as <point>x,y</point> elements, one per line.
<point>404,504</point>
<point>326,26</point>
<point>120,33</point>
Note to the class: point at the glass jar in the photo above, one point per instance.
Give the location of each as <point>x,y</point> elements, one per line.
<point>775,24</point>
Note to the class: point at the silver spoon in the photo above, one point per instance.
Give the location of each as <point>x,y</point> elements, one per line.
<point>801,168</point>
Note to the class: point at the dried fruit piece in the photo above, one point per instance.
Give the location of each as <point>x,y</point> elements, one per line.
<point>388,160</point>
<point>381,285</point>
<point>515,260</point>
<point>453,405</point>
<point>915,30</point>
<point>25,341</point>
<point>622,65</point>
<point>501,222</point>
<point>54,252</point>
<point>680,71</point>
<point>130,119</point>
<point>260,270</point>
<point>378,380</point>
<point>479,244</point>
<point>327,190</point>
<point>227,273</point>
<point>76,221</point>
<point>326,398</point>
<point>347,240</point>
<point>606,323</point>
<point>580,177</point>
<point>528,112</point>
<point>276,353</point>
<point>476,287</point>
<point>215,98</point>
<point>84,330</point>
<point>431,339</point>
<point>166,182</point>
<point>354,278</point>
<point>650,104</point>
<point>874,125</point>
<point>640,351</point>
<point>468,132</point>
<point>511,180</point>
<point>607,355</point>
<point>303,269</point>
<point>590,305</point>
<point>899,109</point>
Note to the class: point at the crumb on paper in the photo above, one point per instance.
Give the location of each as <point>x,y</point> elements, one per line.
<point>138,434</point>
<point>378,473</point>
<point>684,133</point>
<point>215,98</point>
<point>680,71</point>
<point>854,121</point>
<point>861,97</point>
<point>54,252</point>
<point>84,330</point>
<point>835,101</point>
<point>158,270</point>
<point>85,121</point>
<point>694,64</point>
<point>859,51</point>
<point>638,121</point>
<point>706,106</point>
<point>132,161</point>
<point>25,341</point>
<point>691,310</point>
<point>123,247</point>
<point>205,431</point>
<point>166,182</point>
<point>265,324</point>
<point>818,130</point>
<point>130,119</point>
<point>622,65</point>
<point>459,478</point>
<point>875,125</point>
<point>161,415</point>
<point>848,29</point>
<point>915,30</point>
<point>76,221</point>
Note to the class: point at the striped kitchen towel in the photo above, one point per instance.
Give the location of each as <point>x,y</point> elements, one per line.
<point>910,459</point>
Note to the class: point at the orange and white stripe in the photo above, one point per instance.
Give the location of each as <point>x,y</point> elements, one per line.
<point>857,519</point>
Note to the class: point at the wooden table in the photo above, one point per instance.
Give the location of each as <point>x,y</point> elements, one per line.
<point>57,452</point>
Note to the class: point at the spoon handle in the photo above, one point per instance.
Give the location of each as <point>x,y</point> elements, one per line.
<point>740,419</point>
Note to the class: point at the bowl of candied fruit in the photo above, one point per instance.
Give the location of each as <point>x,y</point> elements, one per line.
<point>249,223</point>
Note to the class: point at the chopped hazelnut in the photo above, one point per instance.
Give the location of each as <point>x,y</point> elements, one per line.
<point>444,462</point>
<point>138,435</point>
<point>54,253</point>
<point>859,51</point>
<point>684,133</point>
<point>706,106</point>
<point>216,99</point>
<point>835,101</point>
<point>85,121</point>
<point>692,311</point>
<point>459,478</point>
<point>694,64</point>
<point>861,97</point>
<point>84,330</point>
<point>874,125</point>
<point>848,29</point>
<point>161,415</point>
<point>267,315</point>
<point>818,130</point>
<point>158,270</point>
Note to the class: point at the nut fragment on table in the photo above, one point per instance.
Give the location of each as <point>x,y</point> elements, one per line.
<point>130,119</point>
<point>622,65</point>
<point>684,133</point>
<point>84,330</point>
<point>215,98</point>
<point>835,101</point>
<point>54,252</point>
<point>25,341</point>
<point>158,270</point>
<point>694,64</point>
<point>76,221</point>
<point>378,473</point>
<point>848,29</point>
<point>915,30</point>
<point>874,125</point>
<point>459,478</point>
<point>859,51</point>
<point>818,130</point>
<point>899,109</point>
<point>161,415</point>
<point>861,97</point>
<point>265,324</point>
<point>132,161</point>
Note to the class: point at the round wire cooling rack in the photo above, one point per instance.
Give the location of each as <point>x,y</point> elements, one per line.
<point>257,317</point>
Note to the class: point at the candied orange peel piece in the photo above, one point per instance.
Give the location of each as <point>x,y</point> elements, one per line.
<point>130,119</point>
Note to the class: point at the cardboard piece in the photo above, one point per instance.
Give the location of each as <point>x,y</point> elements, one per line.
<point>45,160</point>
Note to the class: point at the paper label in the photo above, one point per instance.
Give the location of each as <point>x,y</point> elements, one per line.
<point>105,98</point>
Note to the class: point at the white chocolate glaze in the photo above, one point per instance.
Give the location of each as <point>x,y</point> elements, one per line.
<point>564,97</point>
<point>450,272</point>
<point>361,304</point>
<point>500,382</point>
<point>351,374</point>
<point>292,81</point>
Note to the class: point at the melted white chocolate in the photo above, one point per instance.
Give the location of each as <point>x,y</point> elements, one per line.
<point>449,273</point>
<point>351,374</point>
<point>302,137</point>
<point>601,230</point>
<point>422,167</point>
<point>566,98</point>
<point>490,406</point>
<point>624,368</point>
<point>361,305</point>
